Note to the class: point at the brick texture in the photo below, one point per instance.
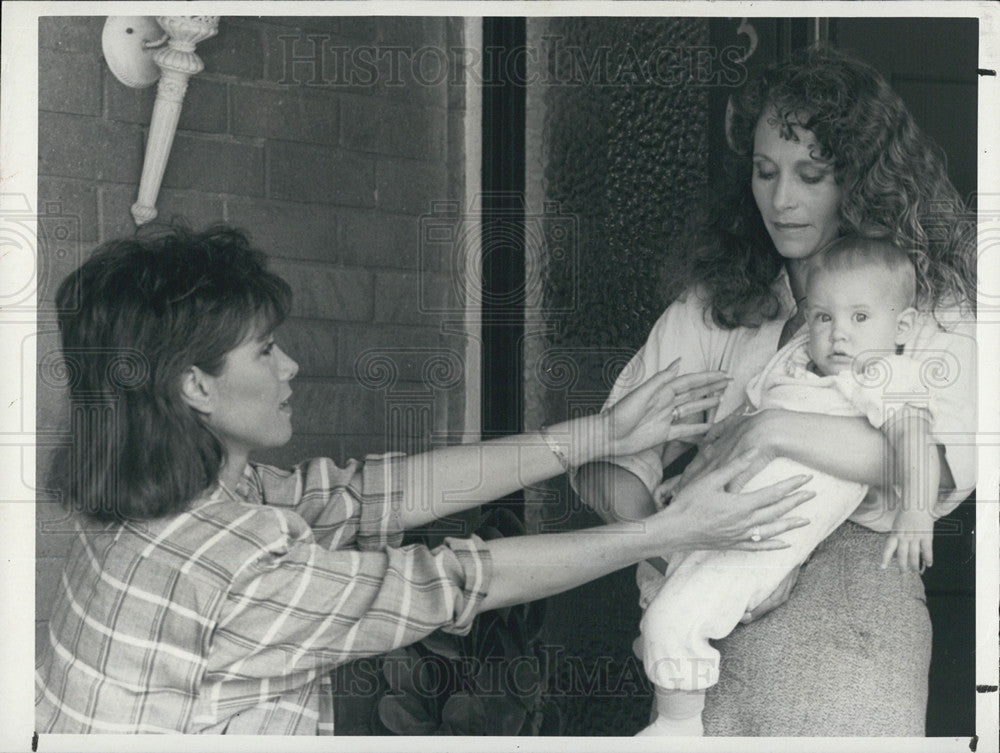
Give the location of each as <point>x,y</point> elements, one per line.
<point>80,94</point>
<point>408,347</point>
<point>297,56</point>
<point>370,124</point>
<point>323,406</point>
<point>89,148</point>
<point>412,297</point>
<point>215,165</point>
<point>378,239</point>
<point>322,175</point>
<point>77,200</point>
<point>288,229</point>
<point>71,35</point>
<point>329,176</point>
<point>313,344</point>
<point>235,51</point>
<point>283,113</point>
<point>329,293</point>
<point>410,186</point>
<point>205,104</point>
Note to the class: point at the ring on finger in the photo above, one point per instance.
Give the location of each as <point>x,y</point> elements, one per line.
<point>755,534</point>
<point>675,414</point>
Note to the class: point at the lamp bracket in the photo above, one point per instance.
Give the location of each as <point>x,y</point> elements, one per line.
<point>128,43</point>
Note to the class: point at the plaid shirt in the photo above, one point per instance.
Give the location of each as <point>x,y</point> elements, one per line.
<point>228,617</point>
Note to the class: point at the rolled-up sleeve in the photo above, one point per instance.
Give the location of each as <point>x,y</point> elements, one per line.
<point>325,579</point>
<point>300,607</point>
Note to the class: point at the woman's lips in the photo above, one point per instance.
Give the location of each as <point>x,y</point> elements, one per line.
<point>790,225</point>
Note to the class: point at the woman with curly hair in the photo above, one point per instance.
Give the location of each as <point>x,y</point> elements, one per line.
<point>821,148</point>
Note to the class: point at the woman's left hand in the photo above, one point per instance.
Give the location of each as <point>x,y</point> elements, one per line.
<point>654,413</point>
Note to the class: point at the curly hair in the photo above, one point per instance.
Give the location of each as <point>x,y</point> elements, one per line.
<point>893,180</point>
<point>133,318</point>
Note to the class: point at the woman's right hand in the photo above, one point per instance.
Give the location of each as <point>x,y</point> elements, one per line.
<point>704,515</point>
<point>655,412</point>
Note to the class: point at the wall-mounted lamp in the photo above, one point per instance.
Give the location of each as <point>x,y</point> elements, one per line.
<point>139,50</point>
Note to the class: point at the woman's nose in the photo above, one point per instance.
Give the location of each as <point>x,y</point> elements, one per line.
<point>289,368</point>
<point>784,192</point>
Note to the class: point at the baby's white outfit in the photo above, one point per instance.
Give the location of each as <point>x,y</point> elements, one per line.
<point>705,593</point>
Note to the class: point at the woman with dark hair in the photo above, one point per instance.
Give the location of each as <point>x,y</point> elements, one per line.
<point>822,147</point>
<point>204,593</point>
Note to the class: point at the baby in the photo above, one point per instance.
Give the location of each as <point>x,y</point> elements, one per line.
<point>859,312</point>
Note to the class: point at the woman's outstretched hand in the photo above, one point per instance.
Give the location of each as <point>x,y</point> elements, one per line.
<point>654,413</point>
<point>707,516</point>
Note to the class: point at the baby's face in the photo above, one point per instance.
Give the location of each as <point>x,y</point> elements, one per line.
<point>852,315</point>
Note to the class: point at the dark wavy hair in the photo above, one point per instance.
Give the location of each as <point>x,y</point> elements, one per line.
<point>133,318</point>
<point>892,177</point>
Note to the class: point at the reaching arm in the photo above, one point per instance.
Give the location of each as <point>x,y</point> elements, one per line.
<point>616,494</point>
<point>453,479</point>
<point>526,568</point>
<point>702,516</point>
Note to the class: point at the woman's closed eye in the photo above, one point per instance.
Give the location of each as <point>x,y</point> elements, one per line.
<point>268,349</point>
<point>812,178</point>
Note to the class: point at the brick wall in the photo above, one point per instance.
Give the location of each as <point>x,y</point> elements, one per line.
<point>328,175</point>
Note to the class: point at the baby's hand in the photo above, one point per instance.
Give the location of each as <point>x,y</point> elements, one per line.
<point>911,540</point>
<point>665,491</point>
